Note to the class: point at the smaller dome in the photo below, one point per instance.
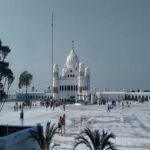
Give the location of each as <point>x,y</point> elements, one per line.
<point>87,71</point>
<point>55,68</point>
<point>81,66</point>
<point>63,72</point>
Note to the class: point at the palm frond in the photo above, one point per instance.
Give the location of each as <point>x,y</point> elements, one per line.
<point>55,146</point>
<point>50,132</point>
<point>97,139</point>
<point>94,140</point>
<point>88,132</point>
<point>80,139</point>
<point>38,136</point>
<point>113,147</point>
<point>105,140</point>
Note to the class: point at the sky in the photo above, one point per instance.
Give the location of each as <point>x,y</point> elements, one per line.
<point>112,37</point>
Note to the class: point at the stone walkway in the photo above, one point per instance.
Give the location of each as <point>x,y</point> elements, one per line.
<point>130,125</point>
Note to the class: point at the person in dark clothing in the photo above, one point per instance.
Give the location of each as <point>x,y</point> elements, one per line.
<point>108,108</point>
<point>63,123</point>
<point>60,125</point>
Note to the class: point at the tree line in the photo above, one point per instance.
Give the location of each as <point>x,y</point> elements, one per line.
<point>6,74</point>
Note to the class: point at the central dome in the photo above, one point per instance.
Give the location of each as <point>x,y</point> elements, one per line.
<point>72,61</point>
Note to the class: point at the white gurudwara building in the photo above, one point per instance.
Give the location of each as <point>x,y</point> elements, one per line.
<point>69,84</point>
<point>72,84</point>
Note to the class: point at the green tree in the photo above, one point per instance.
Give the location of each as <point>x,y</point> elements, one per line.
<point>25,80</point>
<point>94,140</point>
<point>44,140</point>
<point>6,75</point>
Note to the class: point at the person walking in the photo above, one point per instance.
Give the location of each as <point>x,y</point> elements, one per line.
<point>108,108</point>
<point>63,123</point>
<point>64,106</point>
<point>20,107</point>
<point>122,105</point>
<point>54,104</point>
<point>60,125</point>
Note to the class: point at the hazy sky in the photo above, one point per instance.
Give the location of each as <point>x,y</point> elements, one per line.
<point>112,37</point>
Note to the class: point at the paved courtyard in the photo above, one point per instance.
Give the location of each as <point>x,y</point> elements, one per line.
<point>131,125</point>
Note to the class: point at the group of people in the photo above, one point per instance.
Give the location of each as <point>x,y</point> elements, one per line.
<point>53,104</point>
<point>123,104</point>
<point>17,107</point>
<point>61,124</point>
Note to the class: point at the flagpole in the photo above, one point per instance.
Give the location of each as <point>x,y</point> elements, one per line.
<point>52,58</point>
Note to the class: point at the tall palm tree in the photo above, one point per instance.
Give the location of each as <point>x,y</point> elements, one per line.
<point>94,140</point>
<point>25,80</point>
<point>45,139</point>
<point>6,74</point>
